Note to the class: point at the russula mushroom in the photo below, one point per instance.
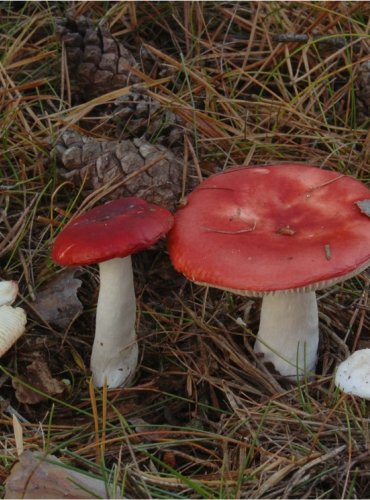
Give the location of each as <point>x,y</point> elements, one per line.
<point>353,374</point>
<point>279,232</point>
<point>108,235</point>
<point>12,319</point>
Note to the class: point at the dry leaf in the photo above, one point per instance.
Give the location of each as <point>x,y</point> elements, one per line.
<point>36,475</point>
<point>58,303</point>
<point>38,376</point>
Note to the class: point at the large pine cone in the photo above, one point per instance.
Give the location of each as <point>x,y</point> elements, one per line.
<point>97,62</point>
<point>99,162</point>
<point>363,92</point>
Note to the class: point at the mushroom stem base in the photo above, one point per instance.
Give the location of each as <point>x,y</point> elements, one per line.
<point>115,350</point>
<point>288,336</point>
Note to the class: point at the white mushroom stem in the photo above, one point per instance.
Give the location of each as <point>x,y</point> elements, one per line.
<point>289,332</point>
<point>115,350</point>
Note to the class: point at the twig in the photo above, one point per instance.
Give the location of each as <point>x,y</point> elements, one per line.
<point>96,420</point>
<point>335,41</point>
<point>297,476</point>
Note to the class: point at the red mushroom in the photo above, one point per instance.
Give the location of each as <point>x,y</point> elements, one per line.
<point>277,231</point>
<point>108,235</point>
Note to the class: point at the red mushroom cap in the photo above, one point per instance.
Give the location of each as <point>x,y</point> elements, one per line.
<point>269,228</point>
<point>117,229</point>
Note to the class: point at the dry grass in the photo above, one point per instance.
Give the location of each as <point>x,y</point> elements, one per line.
<point>204,419</point>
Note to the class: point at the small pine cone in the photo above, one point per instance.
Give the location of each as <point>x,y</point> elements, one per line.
<point>363,92</point>
<point>96,61</point>
<point>101,161</point>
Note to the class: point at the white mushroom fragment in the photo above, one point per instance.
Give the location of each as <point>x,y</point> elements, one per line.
<point>8,292</point>
<point>12,319</point>
<point>353,374</point>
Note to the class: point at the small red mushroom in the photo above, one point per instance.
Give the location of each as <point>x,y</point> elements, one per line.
<point>279,232</point>
<point>108,235</point>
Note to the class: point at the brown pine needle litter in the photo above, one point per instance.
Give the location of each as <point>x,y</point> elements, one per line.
<point>223,83</point>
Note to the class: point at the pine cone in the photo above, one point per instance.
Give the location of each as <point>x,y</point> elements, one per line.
<point>137,114</point>
<point>363,92</point>
<point>101,161</point>
<point>97,62</point>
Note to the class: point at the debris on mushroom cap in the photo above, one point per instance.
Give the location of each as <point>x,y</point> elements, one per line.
<point>364,206</point>
<point>117,229</point>
<point>290,227</point>
<point>353,374</point>
<point>8,292</point>
<point>12,325</point>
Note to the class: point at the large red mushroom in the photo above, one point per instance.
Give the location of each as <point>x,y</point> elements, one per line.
<point>279,232</point>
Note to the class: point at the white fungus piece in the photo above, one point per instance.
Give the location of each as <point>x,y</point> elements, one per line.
<point>8,292</point>
<point>12,325</point>
<point>353,374</point>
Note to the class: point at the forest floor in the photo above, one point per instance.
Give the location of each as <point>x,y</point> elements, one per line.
<point>232,83</point>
